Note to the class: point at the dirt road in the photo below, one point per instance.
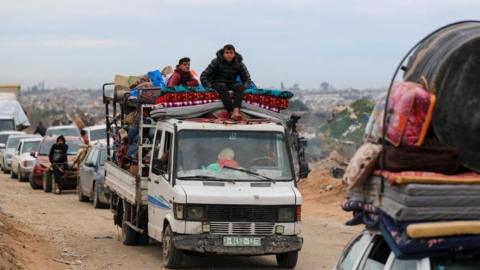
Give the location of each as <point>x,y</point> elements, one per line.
<point>58,232</point>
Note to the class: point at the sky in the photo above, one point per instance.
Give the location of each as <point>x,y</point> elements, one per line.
<point>348,43</point>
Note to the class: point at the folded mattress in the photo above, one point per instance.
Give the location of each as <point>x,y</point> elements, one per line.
<point>400,212</point>
<point>408,177</point>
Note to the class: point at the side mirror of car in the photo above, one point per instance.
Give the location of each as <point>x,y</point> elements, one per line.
<point>34,154</point>
<point>304,170</point>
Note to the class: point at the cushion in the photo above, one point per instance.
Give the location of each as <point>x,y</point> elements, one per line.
<point>362,164</point>
<point>446,228</point>
<point>417,177</point>
<point>410,113</point>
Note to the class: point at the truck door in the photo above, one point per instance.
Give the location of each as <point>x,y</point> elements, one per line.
<point>160,192</point>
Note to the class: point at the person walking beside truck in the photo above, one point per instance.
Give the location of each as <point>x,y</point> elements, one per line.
<point>58,159</point>
<point>222,74</point>
<point>182,76</point>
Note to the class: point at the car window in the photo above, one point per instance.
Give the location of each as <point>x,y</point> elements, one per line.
<point>404,264</point>
<point>354,252</point>
<point>378,255</point>
<point>458,262</point>
<point>103,156</point>
<point>90,157</point>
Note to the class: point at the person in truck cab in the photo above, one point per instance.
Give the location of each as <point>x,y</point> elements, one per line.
<point>226,157</point>
<point>182,76</point>
<point>58,159</point>
<point>221,75</point>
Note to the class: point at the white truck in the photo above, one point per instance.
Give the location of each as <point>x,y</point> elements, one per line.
<point>12,116</point>
<point>211,186</point>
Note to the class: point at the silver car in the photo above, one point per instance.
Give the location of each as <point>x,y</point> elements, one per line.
<point>92,178</point>
<point>10,149</point>
<point>369,251</point>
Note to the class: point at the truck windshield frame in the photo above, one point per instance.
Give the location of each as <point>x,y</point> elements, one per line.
<point>198,147</point>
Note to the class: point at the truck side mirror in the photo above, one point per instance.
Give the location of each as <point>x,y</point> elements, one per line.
<point>34,154</point>
<point>303,169</point>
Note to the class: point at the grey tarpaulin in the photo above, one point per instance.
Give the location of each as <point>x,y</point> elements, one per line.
<point>450,61</point>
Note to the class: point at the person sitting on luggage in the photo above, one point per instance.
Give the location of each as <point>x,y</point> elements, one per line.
<point>221,75</point>
<point>182,76</point>
<point>58,158</point>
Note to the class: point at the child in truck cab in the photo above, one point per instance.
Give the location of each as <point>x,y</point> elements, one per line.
<point>226,157</point>
<point>58,158</point>
<point>221,75</point>
<point>182,76</point>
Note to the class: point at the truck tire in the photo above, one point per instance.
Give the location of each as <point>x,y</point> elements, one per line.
<point>287,260</point>
<point>46,182</point>
<point>32,183</point>
<point>129,236</point>
<point>172,257</point>
<point>21,177</point>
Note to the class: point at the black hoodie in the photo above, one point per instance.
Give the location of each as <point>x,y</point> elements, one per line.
<point>221,71</point>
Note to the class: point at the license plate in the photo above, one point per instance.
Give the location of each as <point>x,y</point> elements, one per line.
<point>232,241</point>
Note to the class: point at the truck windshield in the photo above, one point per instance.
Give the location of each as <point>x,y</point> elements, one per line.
<point>6,124</point>
<point>3,138</point>
<point>214,153</point>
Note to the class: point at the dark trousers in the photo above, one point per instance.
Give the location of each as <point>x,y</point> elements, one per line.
<point>59,173</point>
<point>238,90</point>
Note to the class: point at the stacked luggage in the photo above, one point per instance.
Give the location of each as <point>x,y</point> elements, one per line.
<point>411,186</point>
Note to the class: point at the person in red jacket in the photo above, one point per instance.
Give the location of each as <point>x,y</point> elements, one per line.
<point>182,76</point>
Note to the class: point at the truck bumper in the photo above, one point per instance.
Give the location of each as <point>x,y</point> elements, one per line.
<point>213,244</point>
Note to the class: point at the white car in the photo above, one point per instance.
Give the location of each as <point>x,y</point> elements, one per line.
<point>70,130</point>
<point>96,134</point>
<point>369,251</point>
<point>10,148</point>
<point>22,160</point>
<point>4,137</point>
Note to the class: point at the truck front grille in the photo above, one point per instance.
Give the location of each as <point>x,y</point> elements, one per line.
<point>242,213</point>
<point>241,228</point>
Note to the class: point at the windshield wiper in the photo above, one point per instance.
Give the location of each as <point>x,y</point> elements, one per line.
<point>199,177</point>
<point>250,172</point>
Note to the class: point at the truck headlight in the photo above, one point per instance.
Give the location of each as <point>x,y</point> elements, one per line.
<point>196,213</point>
<point>286,214</point>
<point>179,211</point>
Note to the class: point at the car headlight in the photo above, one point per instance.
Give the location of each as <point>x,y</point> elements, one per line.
<point>286,214</point>
<point>196,213</point>
<point>179,211</point>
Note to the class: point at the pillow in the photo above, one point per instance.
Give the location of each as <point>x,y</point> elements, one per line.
<point>362,164</point>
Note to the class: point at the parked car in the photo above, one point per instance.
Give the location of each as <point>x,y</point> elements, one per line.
<point>369,251</point>
<point>96,134</point>
<point>10,148</point>
<point>4,137</point>
<point>3,140</point>
<point>92,178</point>
<point>62,130</point>
<point>22,160</point>
<point>40,173</point>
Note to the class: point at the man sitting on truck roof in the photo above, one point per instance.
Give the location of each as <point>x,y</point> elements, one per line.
<point>182,76</point>
<point>221,75</point>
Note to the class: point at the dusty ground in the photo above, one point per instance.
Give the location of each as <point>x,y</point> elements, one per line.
<point>44,231</point>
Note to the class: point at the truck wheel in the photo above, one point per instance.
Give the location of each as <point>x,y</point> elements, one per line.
<point>32,183</point>
<point>96,200</point>
<point>129,236</point>
<point>12,174</point>
<point>172,257</point>
<point>47,184</point>
<point>21,177</point>
<point>287,260</point>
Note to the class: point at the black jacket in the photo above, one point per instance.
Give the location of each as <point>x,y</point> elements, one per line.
<point>220,71</point>
<point>58,153</point>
